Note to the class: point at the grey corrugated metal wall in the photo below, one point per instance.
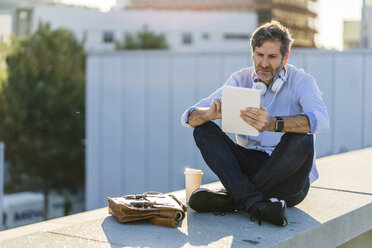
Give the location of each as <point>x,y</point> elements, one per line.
<point>134,138</point>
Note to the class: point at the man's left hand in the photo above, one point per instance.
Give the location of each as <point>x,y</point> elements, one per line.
<point>258,118</point>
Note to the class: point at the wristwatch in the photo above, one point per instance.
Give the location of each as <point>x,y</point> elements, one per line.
<point>279,124</point>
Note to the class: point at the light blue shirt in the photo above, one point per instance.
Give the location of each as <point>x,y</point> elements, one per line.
<point>298,95</point>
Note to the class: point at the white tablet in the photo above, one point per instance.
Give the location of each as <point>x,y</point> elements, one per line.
<point>235,99</point>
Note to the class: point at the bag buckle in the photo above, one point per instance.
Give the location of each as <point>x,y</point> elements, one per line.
<point>142,204</point>
<point>135,197</point>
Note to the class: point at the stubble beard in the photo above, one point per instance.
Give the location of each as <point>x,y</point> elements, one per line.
<point>268,79</point>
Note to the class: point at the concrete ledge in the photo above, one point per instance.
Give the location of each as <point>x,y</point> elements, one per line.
<point>337,212</point>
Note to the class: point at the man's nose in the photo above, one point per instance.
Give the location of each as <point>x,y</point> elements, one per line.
<point>265,62</point>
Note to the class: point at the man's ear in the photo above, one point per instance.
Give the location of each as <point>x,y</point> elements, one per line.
<point>285,60</point>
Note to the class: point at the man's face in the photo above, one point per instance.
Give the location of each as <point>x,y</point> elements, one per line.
<point>268,61</point>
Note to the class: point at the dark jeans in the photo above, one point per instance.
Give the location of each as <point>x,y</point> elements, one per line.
<point>251,175</point>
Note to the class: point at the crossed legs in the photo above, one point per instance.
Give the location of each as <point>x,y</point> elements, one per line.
<point>250,175</point>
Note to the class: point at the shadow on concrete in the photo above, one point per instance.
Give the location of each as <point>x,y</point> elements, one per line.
<point>228,230</point>
<point>237,230</point>
<point>142,234</point>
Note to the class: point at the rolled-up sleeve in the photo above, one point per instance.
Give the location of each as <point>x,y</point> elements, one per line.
<point>206,102</point>
<point>185,116</point>
<point>310,99</point>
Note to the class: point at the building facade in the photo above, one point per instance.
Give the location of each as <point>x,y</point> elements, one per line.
<point>6,6</point>
<point>366,25</point>
<point>351,35</point>
<point>184,31</point>
<point>298,15</point>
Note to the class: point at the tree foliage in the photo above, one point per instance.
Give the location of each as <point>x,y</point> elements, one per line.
<point>42,108</point>
<point>143,39</point>
<point>4,50</point>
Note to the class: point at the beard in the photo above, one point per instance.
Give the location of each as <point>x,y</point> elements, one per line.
<point>267,74</point>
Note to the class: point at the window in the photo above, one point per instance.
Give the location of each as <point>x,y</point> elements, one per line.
<point>205,36</point>
<point>23,25</point>
<point>187,38</point>
<point>85,35</point>
<point>108,37</point>
<point>236,37</point>
<point>23,15</point>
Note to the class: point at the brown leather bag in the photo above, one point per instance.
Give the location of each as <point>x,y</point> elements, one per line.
<point>160,209</point>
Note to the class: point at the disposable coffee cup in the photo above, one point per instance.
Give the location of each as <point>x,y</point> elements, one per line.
<point>192,180</point>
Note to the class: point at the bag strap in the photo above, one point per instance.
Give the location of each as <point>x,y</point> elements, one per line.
<point>183,206</point>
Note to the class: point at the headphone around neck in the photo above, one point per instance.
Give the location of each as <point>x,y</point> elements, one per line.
<point>276,85</point>
<point>280,79</point>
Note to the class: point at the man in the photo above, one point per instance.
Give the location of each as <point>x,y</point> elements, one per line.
<point>264,174</point>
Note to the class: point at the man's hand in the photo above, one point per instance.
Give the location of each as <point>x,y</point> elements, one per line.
<point>215,110</point>
<point>201,115</point>
<point>258,118</point>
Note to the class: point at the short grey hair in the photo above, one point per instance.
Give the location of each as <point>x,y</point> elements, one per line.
<point>272,31</point>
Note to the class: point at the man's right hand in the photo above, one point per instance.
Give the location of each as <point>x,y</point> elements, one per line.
<point>215,110</point>
<point>201,115</point>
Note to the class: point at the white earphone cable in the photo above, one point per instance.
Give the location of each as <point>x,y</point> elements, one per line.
<point>271,101</point>
<point>276,90</point>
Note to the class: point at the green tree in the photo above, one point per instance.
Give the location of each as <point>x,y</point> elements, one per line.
<point>143,39</point>
<point>42,109</point>
<point>4,50</point>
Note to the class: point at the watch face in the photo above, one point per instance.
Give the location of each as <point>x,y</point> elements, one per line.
<point>279,125</point>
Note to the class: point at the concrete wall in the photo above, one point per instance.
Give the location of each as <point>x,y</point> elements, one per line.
<point>134,138</point>
<point>362,241</point>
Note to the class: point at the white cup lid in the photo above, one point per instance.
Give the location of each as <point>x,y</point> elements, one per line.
<point>193,171</point>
